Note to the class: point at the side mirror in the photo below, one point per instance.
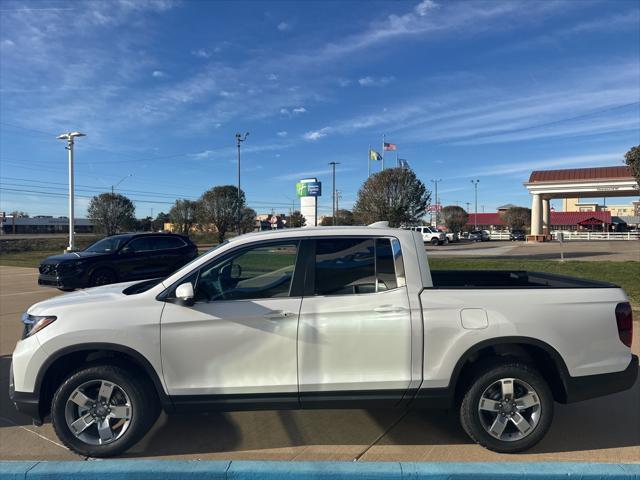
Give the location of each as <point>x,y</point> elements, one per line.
<point>184,294</point>
<point>126,249</point>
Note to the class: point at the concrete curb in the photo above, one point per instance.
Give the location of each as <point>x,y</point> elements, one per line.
<point>246,470</point>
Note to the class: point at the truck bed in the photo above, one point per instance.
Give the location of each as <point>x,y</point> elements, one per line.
<point>509,279</point>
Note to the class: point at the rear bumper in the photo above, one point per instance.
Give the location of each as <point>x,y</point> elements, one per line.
<point>592,386</point>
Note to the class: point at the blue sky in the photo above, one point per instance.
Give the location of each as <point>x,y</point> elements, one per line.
<point>487,90</point>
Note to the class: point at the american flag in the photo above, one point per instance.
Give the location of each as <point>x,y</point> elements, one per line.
<point>390,146</point>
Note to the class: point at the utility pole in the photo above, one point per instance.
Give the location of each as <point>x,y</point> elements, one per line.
<point>113,187</point>
<point>435,182</point>
<point>468,206</point>
<point>239,140</point>
<point>333,196</point>
<point>475,186</point>
<point>338,197</point>
<point>69,138</point>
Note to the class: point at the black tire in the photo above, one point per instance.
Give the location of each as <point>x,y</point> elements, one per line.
<point>144,410</point>
<point>434,241</point>
<point>470,416</point>
<point>102,276</point>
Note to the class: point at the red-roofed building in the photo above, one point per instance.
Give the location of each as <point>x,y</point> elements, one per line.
<point>544,185</point>
<point>559,221</point>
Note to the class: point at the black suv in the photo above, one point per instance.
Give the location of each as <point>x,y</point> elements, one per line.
<point>517,235</point>
<point>118,258</point>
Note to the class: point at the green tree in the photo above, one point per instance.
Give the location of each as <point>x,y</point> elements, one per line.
<point>454,217</point>
<point>395,195</point>
<point>516,217</point>
<point>296,220</point>
<point>219,207</point>
<point>632,159</point>
<point>112,213</point>
<point>343,217</point>
<point>158,224</point>
<point>183,215</point>
<point>248,220</point>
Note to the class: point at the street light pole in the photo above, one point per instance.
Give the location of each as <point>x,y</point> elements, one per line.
<point>436,184</point>
<point>333,195</point>
<point>69,138</point>
<point>239,140</point>
<point>475,217</point>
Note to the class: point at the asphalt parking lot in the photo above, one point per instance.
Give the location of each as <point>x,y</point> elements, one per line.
<point>601,430</point>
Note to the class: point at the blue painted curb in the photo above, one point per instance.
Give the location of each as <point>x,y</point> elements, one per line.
<point>243,470</point>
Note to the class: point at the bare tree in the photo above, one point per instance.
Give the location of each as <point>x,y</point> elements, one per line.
<point>516,217</point>
<point>454,217</point>
<point>395,195</point>
<point>112,212</point>
<point>219,207</point>
<point>183,215</point>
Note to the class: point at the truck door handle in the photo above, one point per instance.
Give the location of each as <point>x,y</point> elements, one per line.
<point>388,309</point>
<point>277,314</point>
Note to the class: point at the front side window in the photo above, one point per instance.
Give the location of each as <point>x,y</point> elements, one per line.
<point>259,272</point>
<point>141,244</point>
<point>107,245</point>
<point>348,266</point>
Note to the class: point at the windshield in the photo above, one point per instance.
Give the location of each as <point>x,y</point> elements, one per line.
<point>107,245</point>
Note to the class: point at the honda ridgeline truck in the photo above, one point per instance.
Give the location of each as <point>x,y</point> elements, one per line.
<point>342,317</point>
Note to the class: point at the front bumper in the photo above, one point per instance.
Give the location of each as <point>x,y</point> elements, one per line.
<point>27,403</point>
<point>66,282</point>
<point>592,386</point>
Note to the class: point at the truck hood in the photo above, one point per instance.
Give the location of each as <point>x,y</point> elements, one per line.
<point>81,297</point>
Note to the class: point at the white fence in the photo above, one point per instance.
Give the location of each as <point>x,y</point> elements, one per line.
<point>568,235</point>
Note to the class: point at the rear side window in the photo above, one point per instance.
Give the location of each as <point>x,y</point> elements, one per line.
<point>348,266</point>
<point>162,243</point>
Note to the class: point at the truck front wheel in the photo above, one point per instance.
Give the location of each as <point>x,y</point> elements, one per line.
<point>508,408</point>
<point>103,410</point>
<point>435,241</point>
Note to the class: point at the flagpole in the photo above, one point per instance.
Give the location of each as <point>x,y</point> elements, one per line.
<point>397,163</point>
<point>383,136</point>
<point>369,162</point>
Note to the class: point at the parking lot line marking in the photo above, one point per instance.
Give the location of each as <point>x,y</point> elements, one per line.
<point>24,293</point>
<point>8,420</point>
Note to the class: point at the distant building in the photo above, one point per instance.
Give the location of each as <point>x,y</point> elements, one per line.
<point>45,224</point>
<point>566,221</point>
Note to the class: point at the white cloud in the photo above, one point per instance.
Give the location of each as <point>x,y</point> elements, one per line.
<point>375,81</point>
<point>272,77</point>
<point>158,74</point>
<point>284,26</point>
<point>201,53</point>
<point>7,43</point>
<point>316,134</point>
<point>283,133</point>
<point>425,7</point>
<point>284,111</point>
<point>344,82</point>
<point>298,110</point>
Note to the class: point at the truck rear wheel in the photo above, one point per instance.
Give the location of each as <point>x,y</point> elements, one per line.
<point>435,241</point>
<point>103,410</point>
<point>508,407</point>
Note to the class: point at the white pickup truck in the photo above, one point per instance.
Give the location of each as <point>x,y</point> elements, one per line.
<point>341,317</point>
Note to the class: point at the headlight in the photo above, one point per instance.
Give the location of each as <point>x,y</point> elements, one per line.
<point>34,323</point>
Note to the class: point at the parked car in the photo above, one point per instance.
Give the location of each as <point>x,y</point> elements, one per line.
<point>479,236</point>
<point>517,235</point>
<point>118,258</point>
<point>430,234</point>
<point>451,236</point>
<point>348,317</point>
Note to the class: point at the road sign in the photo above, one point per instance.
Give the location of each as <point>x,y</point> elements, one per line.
<point>309,189</point>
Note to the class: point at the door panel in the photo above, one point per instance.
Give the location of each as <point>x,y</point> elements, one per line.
<point>355,332</point>
<point>355,342</point>
<point>240,337</point>
<point>230,347</point>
